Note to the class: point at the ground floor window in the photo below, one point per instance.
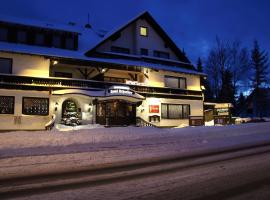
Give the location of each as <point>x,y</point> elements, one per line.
<point>35,106</point>
<point>175,111</point>
<point>7,105</point>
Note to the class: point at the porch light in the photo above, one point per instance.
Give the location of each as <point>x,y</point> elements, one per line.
<point>103,70</point>
<point>90,107</point>
<point>55,62</point>
<point>56,106</point>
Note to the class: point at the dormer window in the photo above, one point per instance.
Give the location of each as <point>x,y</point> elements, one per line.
<point>143,31</point>
<point>22,37</point>
<point>39,39</point>
<point>3,34</point>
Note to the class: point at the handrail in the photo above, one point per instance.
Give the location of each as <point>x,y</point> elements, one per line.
<point>142,123</point>
<point>51,123</point>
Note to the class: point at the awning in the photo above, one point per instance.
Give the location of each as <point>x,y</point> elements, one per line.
<point>114,92</point>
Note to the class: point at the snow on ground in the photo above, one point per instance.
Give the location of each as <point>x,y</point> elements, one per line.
<point>35,152</point>
<point>119,135</point>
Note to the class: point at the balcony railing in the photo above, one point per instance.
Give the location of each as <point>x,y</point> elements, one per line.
<point>14,80</point>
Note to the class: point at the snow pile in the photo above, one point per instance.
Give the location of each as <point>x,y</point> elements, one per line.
<point>210,123</point>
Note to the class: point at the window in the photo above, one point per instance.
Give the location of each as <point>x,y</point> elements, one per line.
<point>120,50</point>
<point>70,43</point>
<point>114,79</point>
<point>175,82</point>
<point>56,41</point>
<point>39,39</point>
<point>3,34</point>
<point>35,106</point>
<point>161,54</point>
<point>22,36</point>
<point>63,74</point>
<point>175,111</point>
<point>6,105</point>
<point>144,52</point>
<point>143,31</point>
<point>6,65</point>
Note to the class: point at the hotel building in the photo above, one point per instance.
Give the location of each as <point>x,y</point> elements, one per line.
<point>132,75</point>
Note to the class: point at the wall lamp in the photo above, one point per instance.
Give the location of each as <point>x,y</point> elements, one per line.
<point>55,62</point>
<point>56,106</point>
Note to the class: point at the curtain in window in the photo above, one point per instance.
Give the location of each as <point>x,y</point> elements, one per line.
<point>175,111</point>
<point>164,111</point>
<point>171,82</point>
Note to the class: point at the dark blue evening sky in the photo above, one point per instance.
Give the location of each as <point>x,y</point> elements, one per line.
<point>192,24</point>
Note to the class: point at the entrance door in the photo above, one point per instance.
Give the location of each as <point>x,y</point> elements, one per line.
<point>116,113</point>
<point>70,115</point>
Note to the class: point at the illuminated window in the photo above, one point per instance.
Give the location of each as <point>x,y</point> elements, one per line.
<point>6,105</point>
<point>35,106</point>
<point>143,31</point>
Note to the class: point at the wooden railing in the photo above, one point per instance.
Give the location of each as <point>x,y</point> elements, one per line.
<point>142,123</point>
<point>79,83</point>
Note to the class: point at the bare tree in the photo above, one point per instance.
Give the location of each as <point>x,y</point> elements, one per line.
<point>229,57</point>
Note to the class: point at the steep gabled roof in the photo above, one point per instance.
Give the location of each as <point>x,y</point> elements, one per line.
<point>145,15</point>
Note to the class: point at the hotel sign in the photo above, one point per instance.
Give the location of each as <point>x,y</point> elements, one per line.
<point>120,90</point>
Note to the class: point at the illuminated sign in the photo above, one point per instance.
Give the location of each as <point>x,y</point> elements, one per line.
<point>153,108</point>
<point>222,111</point>
<point>120,91</point>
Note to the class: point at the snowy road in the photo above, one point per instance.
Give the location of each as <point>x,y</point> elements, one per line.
<point>231,175</point>
<point>26,155</point>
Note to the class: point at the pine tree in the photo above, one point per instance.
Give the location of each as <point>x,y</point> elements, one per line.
<point>259,63</point>
<point>199,65</point>
<point>241,104</point>
<point>227,92</point>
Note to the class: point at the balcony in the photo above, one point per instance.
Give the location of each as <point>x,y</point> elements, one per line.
<point>21,82</point>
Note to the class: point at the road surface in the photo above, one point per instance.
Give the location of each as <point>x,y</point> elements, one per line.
<point>233,175</point>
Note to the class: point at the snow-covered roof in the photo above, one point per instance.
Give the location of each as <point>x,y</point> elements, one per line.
<point>88,38</point>
<point>39,24</point>
<point>79,55</point>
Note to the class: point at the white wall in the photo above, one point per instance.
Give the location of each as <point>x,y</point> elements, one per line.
<point>81,102</point>
<point>28,122</point>
<point>196,109</point>
<point>27,65</point>
<point>157,79</point>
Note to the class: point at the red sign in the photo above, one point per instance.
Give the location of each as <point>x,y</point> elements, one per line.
<point>153,108</point>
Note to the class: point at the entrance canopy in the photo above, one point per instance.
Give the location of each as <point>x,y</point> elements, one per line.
<point>112,93</point>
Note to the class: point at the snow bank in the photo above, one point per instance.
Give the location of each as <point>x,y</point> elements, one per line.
<point>119,135</point>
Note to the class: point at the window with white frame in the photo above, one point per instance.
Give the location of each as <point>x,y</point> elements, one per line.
<point>175,82</point>
<point>175,111</point>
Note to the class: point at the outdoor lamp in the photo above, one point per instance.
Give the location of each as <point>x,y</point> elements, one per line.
<point>56,106</point>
